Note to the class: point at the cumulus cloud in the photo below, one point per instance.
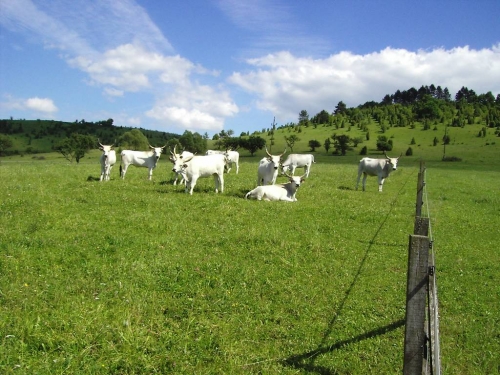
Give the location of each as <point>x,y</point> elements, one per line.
<point>195,107</point>
<point>285,84</point>
<point>44,105</point>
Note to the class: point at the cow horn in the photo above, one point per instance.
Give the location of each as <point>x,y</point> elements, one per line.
<point>99,141</point>
<point>267,152</point>
<point>150,146</point>
<point>283,152</point>
<point>173,153</point>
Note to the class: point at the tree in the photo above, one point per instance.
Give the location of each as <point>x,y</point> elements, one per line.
<point>313,144</point>
<point>323,117</point>
<point>303,117</point>
<point>76,146</point>
<point>134,139</point>
<point>340,108</point>
<point>253,143</point>
<point>5,143</point>
<point>341,143</point>
<point>383,144</point>
<point>290,141</point>
<point>327,144</point>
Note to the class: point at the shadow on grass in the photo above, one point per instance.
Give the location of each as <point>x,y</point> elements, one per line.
<point>92,179</point>
<point>305,361</point>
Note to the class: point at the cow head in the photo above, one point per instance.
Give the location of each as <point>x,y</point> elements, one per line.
<point>393,161</point>
<point>156,151</point>
<point>295,180</point>
<point>275,159</point>
<point>180,160</point>
<point>105,148</point>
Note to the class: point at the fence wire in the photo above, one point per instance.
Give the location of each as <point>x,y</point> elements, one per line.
<point>434,365</point>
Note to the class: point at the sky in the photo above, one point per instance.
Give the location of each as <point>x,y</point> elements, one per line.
<point>212,65</point>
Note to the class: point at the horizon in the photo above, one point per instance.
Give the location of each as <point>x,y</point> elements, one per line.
<point>207,66</point>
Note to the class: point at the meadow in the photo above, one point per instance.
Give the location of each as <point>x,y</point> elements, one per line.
<point>135,276</point>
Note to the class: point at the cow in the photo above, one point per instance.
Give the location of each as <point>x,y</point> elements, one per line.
<point>232,157</point>
<point>376,167</point>
<point>279,192</point>
<point>148,159</point>
<point>184,154</point>
<point>297,161</point>
<point>194,167</point>
<point>268,169</point>
<point>214,152</point>
<point>107,160</point>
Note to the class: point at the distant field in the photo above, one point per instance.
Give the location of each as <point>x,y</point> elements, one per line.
<point>136,276</point>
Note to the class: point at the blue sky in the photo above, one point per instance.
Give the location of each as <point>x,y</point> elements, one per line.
<point>209,65</point>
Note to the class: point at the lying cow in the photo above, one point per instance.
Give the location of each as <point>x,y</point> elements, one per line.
<point>147,159</point>
<point>376,167</point>
<point>268,169</point>
<point>279,192</point>
<point>294,161</point>
<point>107,160</point>
<point>194,167</point>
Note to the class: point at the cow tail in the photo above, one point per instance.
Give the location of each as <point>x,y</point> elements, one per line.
<point>120,170</point>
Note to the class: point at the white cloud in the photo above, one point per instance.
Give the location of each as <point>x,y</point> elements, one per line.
<point>195,107</point>
<point>285,84</point>
<point>44,105</point>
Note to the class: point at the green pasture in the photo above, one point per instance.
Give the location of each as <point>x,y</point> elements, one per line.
<point>135,276</point>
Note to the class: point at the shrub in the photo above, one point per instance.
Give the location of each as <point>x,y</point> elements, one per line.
<point>409,152</point>
<point>364,151</point>
<point>451,158</point>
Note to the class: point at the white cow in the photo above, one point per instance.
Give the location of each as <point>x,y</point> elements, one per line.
<point>214,152</point>
<point>268,169</point>
<point>184,154</point>
<point>297,161</point>
<point>279,192</point>
<point>376,167</point>
<point>232,157</point>
<point>148,159</point>
<point>107,159</point>
<point>194,167</point>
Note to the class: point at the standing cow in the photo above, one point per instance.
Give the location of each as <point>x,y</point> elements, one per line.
<point>294,161</point>
<point>376,167</point>
<point>232,157</point>
<point>183,154</point>
<point>268,169</point>
<point>148,159</point>
<point>279,192</point>
<point>107,160</point>
<point>194,167</point>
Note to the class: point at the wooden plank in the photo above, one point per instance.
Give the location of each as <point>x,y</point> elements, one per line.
<point>421,226</point>
<point>416,293</point>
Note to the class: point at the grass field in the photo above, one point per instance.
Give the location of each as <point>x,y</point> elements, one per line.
<point>136,276</point>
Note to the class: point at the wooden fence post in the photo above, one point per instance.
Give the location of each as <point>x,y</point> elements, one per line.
<point>416,293</point>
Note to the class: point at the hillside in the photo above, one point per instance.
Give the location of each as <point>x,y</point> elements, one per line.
<point>39,136</point>
<point>409,122</point>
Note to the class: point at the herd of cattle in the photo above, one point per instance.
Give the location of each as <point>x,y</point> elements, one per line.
<point>190,167</point>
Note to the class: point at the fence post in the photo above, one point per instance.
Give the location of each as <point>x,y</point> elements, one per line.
<point>420,190</point>
<point>416,293</point>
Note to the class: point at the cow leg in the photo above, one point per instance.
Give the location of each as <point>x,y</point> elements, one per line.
<point>359,177</point>
<point>380,183</point>
<point>293,169</point>
<point>150,174</point>
<point>102,173</point>
<point>192,184</point>
<point>364,180</point>
<point>123,171</point>
<point>306,170</point>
